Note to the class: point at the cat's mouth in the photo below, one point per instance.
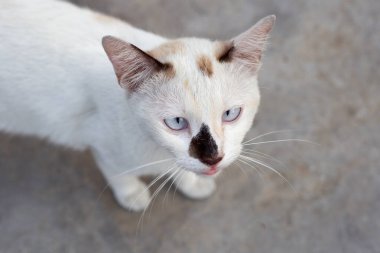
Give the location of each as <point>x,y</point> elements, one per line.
<point>212,170</point>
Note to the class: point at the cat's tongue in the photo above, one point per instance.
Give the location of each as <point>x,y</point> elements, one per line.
<point>212,170</point>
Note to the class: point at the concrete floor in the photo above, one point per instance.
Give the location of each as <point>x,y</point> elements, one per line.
<point>320,78</point>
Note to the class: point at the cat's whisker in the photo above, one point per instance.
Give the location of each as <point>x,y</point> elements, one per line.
<point>130,171</point>
<point>156,192</point>
<point>182,172</point>
<point>271,160</point>
<point>150,185</point>
<point>161,176</point>
<point>270,168</point>
<point>264,155</point>
<point>265,134</point>
<point>282,140</point>
<point>102,192</point>
<point>143,166</point>
<point>155,180</point>
<point>241,168</point>
<point>173,181</point>
<point>254,167</point>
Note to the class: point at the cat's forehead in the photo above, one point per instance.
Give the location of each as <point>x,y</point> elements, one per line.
<point>196,68</point>
<point>201,85</point>
<point>189,55</point>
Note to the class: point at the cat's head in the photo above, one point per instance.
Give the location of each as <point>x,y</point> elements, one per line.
<point>198,97</point>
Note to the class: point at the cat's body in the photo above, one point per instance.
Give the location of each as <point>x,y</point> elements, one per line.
<point>56,82</point>
<point>55,75</point>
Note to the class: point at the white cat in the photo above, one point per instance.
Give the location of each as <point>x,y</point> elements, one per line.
<point>183,108</point>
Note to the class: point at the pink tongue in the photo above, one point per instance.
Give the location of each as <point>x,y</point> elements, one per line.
<point>212,170</point>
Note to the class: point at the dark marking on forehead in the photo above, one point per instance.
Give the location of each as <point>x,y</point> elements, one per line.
<point>169,71</point>
<point>167,49</point>
<point>205,65</point>
<point>223,50</point>
<point>203,147</point>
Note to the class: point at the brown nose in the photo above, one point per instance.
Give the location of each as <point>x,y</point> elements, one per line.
<point>211,160</point>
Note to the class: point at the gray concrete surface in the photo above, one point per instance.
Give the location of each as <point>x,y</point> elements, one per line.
<point>320,77</point>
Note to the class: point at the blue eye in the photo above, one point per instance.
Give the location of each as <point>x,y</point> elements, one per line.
<point>231,114</point>
<point>177,123</point>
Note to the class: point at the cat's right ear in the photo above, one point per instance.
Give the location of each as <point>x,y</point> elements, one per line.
<point>247,48</point>
<point>132,65</point>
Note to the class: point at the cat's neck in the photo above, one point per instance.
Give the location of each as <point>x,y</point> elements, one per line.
<point>140,38</point>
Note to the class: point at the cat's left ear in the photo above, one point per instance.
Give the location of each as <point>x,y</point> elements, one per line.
<point>132,65</point>
<point>247,48</point>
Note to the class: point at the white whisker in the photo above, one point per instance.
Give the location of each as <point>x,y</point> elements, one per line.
<point>101,193</point>
<point>130,171</point>
<point>254,167</point>
<point>253,151</point>
<point>270,168</point>
<point>154,195</point>
<point>170,186</point>
<point>241,168</point>
<point>283,140</point>
<point>150,185</point>
<point>271,160</point>
<point>179,182</point>
<point>154,181</point>
<point>272,132</point>
<point>143,166</point>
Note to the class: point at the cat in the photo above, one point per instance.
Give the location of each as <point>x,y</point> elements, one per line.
<point>182,107</point>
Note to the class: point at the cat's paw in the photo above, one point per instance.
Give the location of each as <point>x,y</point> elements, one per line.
<point>137,200</point>
<point>196,187</point>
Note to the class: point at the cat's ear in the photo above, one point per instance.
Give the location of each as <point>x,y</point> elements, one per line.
<point>132,65</point>
<point>247,48</point>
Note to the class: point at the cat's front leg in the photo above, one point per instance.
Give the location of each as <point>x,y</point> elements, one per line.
<point>194,186</point>
<point>130,192</point>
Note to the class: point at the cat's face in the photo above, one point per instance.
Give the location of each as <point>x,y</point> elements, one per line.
<point>197,97</point>
<point>202,111</point>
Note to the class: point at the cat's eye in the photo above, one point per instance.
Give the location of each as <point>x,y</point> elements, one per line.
<point>177,123</point>
<point>231,114</point>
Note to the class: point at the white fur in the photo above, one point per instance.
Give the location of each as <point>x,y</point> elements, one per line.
<point>56,82</point>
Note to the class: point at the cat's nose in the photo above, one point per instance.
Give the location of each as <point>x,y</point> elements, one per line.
<point>211,160</point>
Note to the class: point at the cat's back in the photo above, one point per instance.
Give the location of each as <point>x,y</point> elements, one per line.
<point>46,57</point>
<point>50,30</point>
<point>41,38</point>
